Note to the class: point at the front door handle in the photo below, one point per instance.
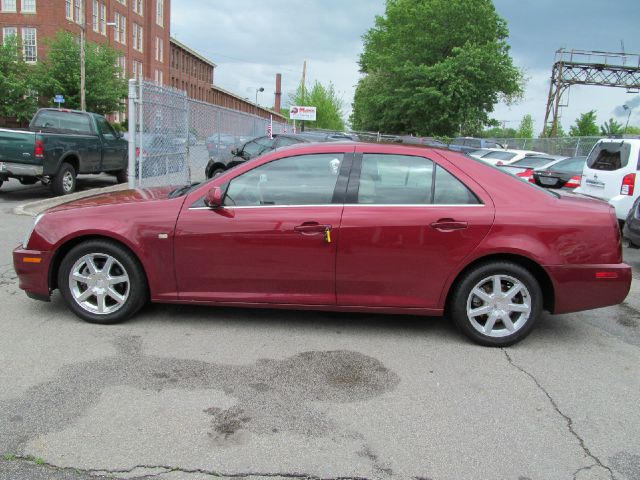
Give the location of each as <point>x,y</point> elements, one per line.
<point>448,225</point>
<point>310,228</point>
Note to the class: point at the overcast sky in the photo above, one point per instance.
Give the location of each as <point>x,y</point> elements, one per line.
<point>251,41</point>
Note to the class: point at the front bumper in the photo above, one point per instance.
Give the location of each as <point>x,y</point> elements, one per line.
<point>584,287</point>
<point>32,268</point>
<point>9,169</point>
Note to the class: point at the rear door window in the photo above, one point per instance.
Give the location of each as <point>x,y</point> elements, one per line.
<point>609,156</point>
<point>61,120</point>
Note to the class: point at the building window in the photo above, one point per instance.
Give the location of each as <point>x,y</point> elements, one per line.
<point>8,5</point>
<point>29,44</point>
<point>7,33</point>
<point>103,19</point>
<point>159,77</point>
<point>137,69</point>
<point>123,2</point>
<point>137,37</point>
<point>28,6</point>
<point>78,11</point>
<point>137,6</point>
<point>95,16</point>
<point>160,12</point>
<point>122,64</point>
<point>120,32</point>
<point>99,19</point>
<point>159,50</point>
<point>69,9</point>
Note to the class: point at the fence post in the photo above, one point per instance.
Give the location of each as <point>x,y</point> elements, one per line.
<point>140,127</point>
<point>575,153</point>
<point>131,172</point>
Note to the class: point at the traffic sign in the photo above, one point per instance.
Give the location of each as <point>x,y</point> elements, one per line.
<point>58,99</point>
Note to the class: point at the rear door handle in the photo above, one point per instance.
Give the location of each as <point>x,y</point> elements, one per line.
<point>449,225</point>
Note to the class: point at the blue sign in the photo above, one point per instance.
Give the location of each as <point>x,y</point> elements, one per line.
<point>58,99</point>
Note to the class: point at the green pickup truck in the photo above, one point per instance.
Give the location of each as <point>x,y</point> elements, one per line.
<point>58,145</point>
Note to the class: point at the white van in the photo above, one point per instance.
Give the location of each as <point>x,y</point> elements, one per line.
<point>612,173</point>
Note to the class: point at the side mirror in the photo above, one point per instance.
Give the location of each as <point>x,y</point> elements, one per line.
<point>234,152</point>
<point>214,198</point>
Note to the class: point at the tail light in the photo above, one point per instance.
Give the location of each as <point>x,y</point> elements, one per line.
<point>499,162</point>
<point>38,150</point>
<point>574,182</point>
<point>527,175</point>
<point>628,183</point>
<point>137,151</point>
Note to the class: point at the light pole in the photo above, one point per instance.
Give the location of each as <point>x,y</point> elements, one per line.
<point>83,22</point>
<point>258,90</point>
<point>627,107</point>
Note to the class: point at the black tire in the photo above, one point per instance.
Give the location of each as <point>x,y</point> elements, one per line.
<point>135,290</point>
<point>216,172</point>
<point>64,182</point>
<point>1,182</point>
<point>122,176</point>
<point>480,277</point>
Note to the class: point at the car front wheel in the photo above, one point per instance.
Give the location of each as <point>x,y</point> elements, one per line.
<point>102,282</point>
<point>496,304</point>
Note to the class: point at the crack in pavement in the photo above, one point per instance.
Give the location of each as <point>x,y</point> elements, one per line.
<point>567,419</point>
<point>171,469</point>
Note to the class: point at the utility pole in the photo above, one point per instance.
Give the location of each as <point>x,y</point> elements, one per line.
<point>304,78</point>
<point>83,24</point>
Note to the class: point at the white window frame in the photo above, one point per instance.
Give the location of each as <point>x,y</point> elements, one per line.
<point>4,8</point>
<point>138,7</point>
<point>122,63</point>
<point>160,12</point>
<point>25,45</point>
<point>68,9</point>
<point>95,18</point>
<point>77,11</point>
<point>5,33</point>
<point>159,76</point>
<point>28,10</point>
<point>159,50</point>
<point>138,37</point>
<point>137,69</point>
<point>103,19</point>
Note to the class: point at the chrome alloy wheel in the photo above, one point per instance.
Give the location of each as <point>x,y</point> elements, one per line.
<point>99,283</point>
<point>67,181</point>
<point>499,306</point>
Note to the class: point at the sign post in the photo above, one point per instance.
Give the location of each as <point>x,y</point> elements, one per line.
<point>58,99</point>
<point>298,112</point>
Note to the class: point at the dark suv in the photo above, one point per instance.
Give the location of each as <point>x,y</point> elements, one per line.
<point>257,146</point>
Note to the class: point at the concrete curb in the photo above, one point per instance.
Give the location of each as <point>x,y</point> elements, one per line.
<point>34,208</point>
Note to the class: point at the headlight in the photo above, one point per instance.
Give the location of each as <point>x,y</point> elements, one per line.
<point>27,237</point>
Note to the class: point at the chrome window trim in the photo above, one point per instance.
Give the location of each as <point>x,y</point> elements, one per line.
<point>367,205</point>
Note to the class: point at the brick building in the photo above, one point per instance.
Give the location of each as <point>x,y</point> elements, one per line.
<point>139,29</point>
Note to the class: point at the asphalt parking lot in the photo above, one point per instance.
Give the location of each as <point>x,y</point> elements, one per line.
<point>195,393</point>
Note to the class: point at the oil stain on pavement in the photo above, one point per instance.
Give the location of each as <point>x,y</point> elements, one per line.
<point>272,395</point>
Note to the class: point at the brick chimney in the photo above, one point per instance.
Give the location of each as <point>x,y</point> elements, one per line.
<point>278,93</point>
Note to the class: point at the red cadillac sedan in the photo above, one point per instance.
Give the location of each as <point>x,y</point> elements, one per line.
<point>339,226</point>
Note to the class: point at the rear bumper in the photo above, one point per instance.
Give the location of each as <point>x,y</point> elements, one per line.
<point>584,287</point>
<point>32,268</point>
<point>9,169</point>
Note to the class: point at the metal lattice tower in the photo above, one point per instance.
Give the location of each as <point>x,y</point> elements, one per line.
<point>579,67</point>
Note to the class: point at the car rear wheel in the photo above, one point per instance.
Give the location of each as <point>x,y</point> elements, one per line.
<point>65,180</point>
<point>122,176</point>
<point>496,304</point>
<point>102,282</point>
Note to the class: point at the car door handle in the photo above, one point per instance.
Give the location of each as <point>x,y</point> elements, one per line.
<point>449,225</point>
<point>309,228</point>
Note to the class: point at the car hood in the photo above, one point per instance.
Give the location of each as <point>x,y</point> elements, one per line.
<point>137,195</point>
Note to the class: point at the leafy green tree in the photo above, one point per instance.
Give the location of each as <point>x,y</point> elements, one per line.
<point>525,130</point>
<point>329,106</point>
<point>60,74</point>
<point>559,131</point>
<point>611,127</point>
<point>18,99</point>
<point>500,132</point>
<point>585,125</point>
<point>632,130</point>
<point>434,67</point>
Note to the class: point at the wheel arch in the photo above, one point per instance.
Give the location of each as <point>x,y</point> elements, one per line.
<point>213,167</point>
<point>539,273</point>
<point>66,247</point>
<point>70,158</point>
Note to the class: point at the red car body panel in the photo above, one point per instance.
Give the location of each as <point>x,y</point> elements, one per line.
<point>381,258</point>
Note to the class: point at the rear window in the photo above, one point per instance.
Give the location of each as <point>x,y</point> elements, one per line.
<point>533,162</point>
<point>60,120</point>
<point>609,156</point>
<point>500,155</point>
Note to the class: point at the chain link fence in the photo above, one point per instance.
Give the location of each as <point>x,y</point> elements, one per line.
<point>173,137</point>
